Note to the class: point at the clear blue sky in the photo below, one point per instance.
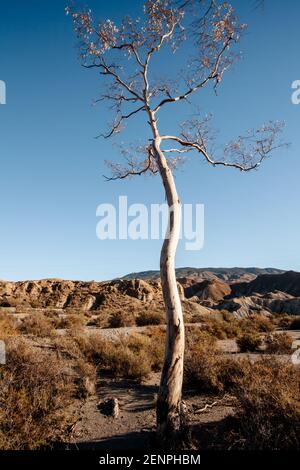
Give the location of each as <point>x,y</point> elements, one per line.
<point>51,165</point>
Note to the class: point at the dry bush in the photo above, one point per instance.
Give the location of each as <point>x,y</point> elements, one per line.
<point>120,319</point>
<point>295,324</point>
<point>221,328</point>
<point>287,322</point>
<point>150,318</point>
<point>215,327</point>
<point>207,369</point>
<point>78,353</point>
<point>123,362</point>
<point>37,325</point>
<point>280,343</point>
<point>70,321</point>
<point>283,321</point>
<point>95,321</point>
<point>197,336</point>
<point>132,357</point>
<point>227,326</point>
<point>77,345</point>
<point>8,326</point>
<point>249,342</point>
<point>230,370</point>
<point>127,359</point>
<point>201,359</point>
<point>34,393</point>
<point>52,313</point>
<point>151,344</point>
<point>261,324</point>
<point>269,407</point>
<point>85,378</point>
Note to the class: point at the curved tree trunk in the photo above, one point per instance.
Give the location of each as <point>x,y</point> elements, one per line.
<point>169,403</point>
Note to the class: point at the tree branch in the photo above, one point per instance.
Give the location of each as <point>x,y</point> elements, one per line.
<point>263,144</point>
<point>121,172</point>
<point>116,127</point>
<point>212,76</point>
<point>108,71</point>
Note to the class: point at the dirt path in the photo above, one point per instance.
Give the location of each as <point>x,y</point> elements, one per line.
<point>134,427</point>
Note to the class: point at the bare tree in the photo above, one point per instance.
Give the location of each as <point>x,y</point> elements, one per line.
<point>124,55</point>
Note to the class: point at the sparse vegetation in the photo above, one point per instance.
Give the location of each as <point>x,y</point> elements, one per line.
<point>226,326</point>
<point>133,357</point>
<point>67,367</point>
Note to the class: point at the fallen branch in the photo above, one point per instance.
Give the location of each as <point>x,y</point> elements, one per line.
<point>209,406</point>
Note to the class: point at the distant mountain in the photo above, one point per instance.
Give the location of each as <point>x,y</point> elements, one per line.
<point>231,275</point>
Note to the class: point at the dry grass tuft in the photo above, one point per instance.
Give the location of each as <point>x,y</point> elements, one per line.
<point>280,343</point>
<point>70,321</point>
<point>34,393</point>
<point>8,326</point>
<point>207,370</point>
<point>269,407</point>
<point>38,325</point>
<point>150,318</point>
<point>249,342</point>
<point>121,319</point>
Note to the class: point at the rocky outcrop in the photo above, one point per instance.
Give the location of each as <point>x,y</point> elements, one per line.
<point>213,291</point>
<point>271,303</point>
<point>288,282</point>
<point>120,295</point>
<point>51,293</point>
<point>267,294</point>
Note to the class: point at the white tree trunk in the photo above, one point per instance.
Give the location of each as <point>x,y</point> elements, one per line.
<point>169,403</point>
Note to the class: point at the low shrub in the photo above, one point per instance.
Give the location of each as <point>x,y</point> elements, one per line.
<point>120,320</point>
<point>132,357</point>
<point>96,322</point>
<point>150,318</point>
<point>249,342</point>
<point>220,328</point>
<point>283,322</point>
<point>288,322</point>
<point>208,370</point>
<point>268,414</point>
<point>85,378</point>
<point>280,343</point>
<point>37,325</point>
<point>8,326</point>
<point>34,393</point>
<point>200,368</point>
<point>261,324</point>
<point>71,321</point>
